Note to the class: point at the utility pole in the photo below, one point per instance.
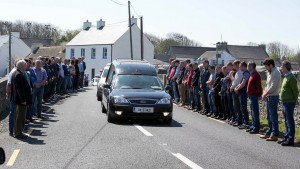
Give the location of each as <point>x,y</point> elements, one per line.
<point>131,54</point>
<point>9,50</point>
<point>142,39</point>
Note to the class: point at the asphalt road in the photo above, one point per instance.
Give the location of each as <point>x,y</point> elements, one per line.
<point>75,134</point>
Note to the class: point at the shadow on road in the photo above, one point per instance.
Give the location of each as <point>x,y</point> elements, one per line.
<point>150,123</point>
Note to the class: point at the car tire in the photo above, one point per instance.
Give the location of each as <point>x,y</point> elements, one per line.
<point>103,108</point>
<point>109,118</point>
<point>167,120</point>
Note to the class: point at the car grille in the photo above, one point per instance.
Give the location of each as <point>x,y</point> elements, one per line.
<point>143,101</point>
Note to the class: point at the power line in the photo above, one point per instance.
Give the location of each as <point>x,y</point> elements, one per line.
<point>115,23</point>
<point>118,3</point>
<point>134,10</point>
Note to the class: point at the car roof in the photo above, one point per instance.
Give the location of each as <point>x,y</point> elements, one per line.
<point>127,67</point>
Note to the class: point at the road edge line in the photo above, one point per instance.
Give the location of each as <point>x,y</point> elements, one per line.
<point>13,158</point>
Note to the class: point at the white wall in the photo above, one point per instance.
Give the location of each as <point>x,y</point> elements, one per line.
<point>121,50</point>
<point>225,56</point>
<point>98,63</point>
<point>18,50</point>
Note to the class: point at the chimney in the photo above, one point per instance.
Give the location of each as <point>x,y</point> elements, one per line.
<point>87,25</point>
<point>100,24</point>
<point>133,21</point>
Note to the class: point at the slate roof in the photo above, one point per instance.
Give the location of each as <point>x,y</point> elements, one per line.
<point>162,58</point>
<point>247,52</point>
<point>108,35</point>
<point>188,51</point>
<point>56,51</point>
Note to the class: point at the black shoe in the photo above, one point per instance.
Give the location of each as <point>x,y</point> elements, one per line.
<point>40,117</point>
<point>11,134</point>
<point>253,132</point>
<point>282,141</point>
<point>235,124</point>
<point>249,130</point>
<point>241,127</point>
<point>287,143</point>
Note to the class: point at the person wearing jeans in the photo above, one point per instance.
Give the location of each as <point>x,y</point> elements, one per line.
<point>241,90</point>
<point>38,87</point>
<point>288,95</point>
<point>211,93</point>
<point>254,91</point>
<point>271,96</point>
<point>9,97</point>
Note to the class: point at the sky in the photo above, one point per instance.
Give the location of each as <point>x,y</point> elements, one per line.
<point>206,21</point>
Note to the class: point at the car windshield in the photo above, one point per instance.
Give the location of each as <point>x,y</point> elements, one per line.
<point>137,82</point>
<point>104,73</point>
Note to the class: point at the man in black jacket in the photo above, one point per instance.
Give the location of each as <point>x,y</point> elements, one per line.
<point>195,85</point>
<point>22,98</point>
<point>217,88</point>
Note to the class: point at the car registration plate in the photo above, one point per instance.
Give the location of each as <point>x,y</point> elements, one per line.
<point>143,109</point>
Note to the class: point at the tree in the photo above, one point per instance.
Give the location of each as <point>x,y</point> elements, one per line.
<point>162,45</point>
<point>155,40</point>
<point>182,39</point>
<point>277,50</point>
<point>68,36</point>
<point>30,29</point>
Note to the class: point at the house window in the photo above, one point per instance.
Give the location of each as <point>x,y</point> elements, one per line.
<point>104,53</point>
<point>72,52</point>
<point>223,63</point>
<point>82,52</point>
<point>214,62</point>
<point>93,53</point>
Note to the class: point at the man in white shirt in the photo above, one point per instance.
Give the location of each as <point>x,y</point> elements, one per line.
<point>235,97</point>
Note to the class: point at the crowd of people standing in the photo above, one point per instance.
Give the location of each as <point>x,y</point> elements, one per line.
<point>34,82</point>
<point>223,92</point>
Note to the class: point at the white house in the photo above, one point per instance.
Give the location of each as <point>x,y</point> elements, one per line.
<point>211,57</point>
<point>18,50</point>
<point>103,44</point>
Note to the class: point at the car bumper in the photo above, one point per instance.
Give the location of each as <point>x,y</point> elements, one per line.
<point>160,112</point>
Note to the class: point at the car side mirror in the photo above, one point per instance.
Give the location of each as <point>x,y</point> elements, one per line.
<point>2,156</point>
<point>168,89</point>
<point>106,86</point>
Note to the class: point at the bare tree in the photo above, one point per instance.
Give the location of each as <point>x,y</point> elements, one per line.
<point>277,50</point>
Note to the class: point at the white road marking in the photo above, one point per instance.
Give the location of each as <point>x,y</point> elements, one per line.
<point>217,120</point>
<point>13,158</point>
<point>147,133</point>
<point>187,161</point>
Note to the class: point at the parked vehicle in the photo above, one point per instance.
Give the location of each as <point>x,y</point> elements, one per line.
<point>133,90</point>
<point>102,82</point>
<point>94,81</point>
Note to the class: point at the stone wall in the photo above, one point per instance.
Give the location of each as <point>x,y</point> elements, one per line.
<point>4,108</point>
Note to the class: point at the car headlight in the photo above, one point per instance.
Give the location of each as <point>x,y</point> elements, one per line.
<point>164,101</point>
<point>119,99</point>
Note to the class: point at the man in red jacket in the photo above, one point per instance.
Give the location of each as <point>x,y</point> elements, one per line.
<point>254,91</point>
